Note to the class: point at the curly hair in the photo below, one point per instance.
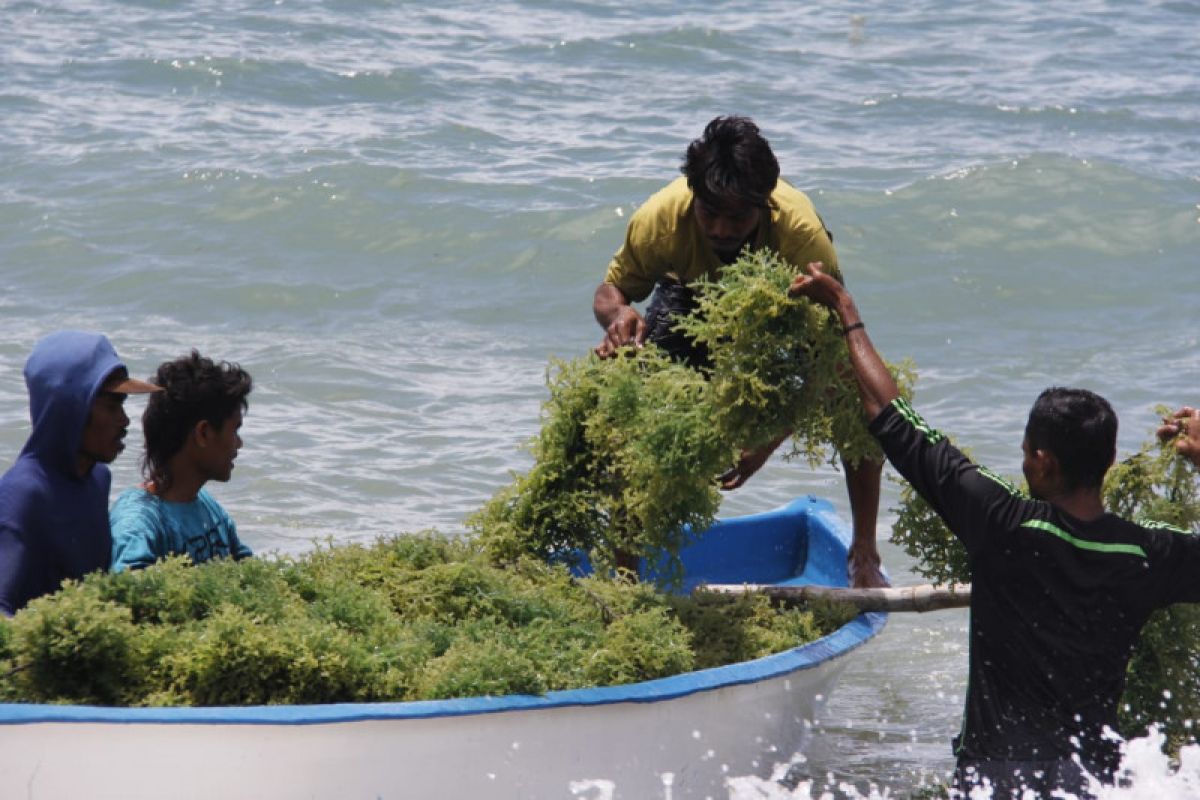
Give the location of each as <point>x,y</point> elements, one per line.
<point>195,388</point>
<point>731,161</point>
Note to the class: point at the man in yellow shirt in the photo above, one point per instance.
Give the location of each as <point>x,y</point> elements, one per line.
<point>729,198</point>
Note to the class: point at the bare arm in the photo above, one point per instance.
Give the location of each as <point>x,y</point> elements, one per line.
<point>875,382</point>
<point>621,322</point>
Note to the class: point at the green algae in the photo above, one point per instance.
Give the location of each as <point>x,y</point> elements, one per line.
<point>415,617</point>
<point>625,466</point>
<point>627,458</point>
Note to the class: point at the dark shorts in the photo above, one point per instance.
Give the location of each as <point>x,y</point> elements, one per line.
<point>1011,779</point>
<point>671,302</point>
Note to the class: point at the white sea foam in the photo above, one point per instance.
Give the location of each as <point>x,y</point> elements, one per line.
<point>1147,772</point>
<point>1152,774</point>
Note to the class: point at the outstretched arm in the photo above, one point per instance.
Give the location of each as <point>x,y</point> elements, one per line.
<point>875,382</point>
<point>1184,427</point>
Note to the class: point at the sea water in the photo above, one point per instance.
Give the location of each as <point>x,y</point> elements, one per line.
<point>394,214</point>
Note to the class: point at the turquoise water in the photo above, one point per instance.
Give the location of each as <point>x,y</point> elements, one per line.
<point>394,214</point>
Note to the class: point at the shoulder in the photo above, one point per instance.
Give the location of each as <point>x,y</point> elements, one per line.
<point>664,211</point>
<point>28,493</point>
<point>1160,545</point>
<point>1162,537</point>
<point>211,505</point>
<point>1166,527</point>
<point>802,235</point>
<point>793,209</point>
<point>134,509</point>
<point>134,499</point>
<point>26,479</point>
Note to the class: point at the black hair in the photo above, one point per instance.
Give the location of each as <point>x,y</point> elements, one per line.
<point>195,388</point>
<point>731,161</point>
<point>1080,428</point>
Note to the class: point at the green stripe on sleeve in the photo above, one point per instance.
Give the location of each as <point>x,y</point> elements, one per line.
<point>1163,526</point>
<point>1004,482</point>
<point>1083,544</point>
<point>909,413</point>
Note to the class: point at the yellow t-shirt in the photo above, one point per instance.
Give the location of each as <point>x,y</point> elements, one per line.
<point>664,240</point>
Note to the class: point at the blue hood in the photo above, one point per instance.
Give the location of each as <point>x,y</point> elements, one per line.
<point>63,374</point>
<point>54,522</point>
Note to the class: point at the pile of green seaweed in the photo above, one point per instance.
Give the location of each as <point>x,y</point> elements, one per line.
<point>630,448</point>
<point>626,463</point>
<point>415,617</point>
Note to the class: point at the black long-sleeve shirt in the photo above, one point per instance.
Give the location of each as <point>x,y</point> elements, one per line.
<point>1057,603</point>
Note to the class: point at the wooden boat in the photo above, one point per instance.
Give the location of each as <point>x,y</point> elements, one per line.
<point>678,737</point>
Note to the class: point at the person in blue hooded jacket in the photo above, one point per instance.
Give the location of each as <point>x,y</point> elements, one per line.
<point>54,499</point>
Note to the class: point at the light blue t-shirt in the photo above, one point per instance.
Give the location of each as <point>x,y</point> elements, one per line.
<point>146,528</point>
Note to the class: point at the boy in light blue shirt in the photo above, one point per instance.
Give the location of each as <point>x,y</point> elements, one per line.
<point>192,437</point>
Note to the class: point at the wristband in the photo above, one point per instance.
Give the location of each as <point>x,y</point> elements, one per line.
<point>846,330</point>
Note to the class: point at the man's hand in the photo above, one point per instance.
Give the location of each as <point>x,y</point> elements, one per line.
<point>818,286</point>
<point>1184,427</point>
<point>626,327</point>
<point>750,462</point>
<point>622,323</point>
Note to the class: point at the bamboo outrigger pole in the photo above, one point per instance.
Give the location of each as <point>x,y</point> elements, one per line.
<point>906,598</point>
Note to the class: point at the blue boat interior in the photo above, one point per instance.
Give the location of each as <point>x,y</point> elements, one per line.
<point>771,547</point>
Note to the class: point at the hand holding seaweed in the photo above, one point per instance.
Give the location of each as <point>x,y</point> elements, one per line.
<point>631,446</point>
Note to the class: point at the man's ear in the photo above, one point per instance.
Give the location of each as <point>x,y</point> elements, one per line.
<point>202,433</point>
<point>1053,468</point>
<point>1045,464</point>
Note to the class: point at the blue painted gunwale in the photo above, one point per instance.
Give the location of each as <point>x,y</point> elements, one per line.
<point>822,561</point>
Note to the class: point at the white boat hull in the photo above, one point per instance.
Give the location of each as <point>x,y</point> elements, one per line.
<point>553,753</point>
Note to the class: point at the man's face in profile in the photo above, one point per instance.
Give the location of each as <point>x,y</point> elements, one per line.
<point>104,435</point>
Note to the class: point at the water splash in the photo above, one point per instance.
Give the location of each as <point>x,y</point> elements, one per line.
<point>1150,774</point>
<point>1147,772</point>
<point>593,789</point>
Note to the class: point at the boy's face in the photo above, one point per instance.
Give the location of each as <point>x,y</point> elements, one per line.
<point>221,448</point>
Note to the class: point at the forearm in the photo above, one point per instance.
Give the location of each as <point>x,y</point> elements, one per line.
<point>875,382</point>
<point>608,303</point>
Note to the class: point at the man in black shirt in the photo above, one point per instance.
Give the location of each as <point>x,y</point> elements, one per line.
<point>1060,588</point>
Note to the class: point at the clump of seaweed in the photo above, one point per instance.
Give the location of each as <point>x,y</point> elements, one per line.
<point>625,465</point>
<point>415,617</point>
<point>627,459</point>
<point>780,364</point>
<point>626,462</point>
